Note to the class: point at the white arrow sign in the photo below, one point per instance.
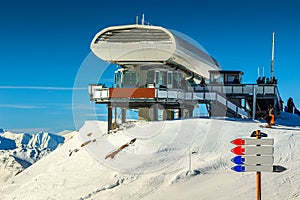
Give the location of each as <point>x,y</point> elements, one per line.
<point>262,150</point>
<point>252,141</point>
<point>253,160</point>
<point>253,150</point>
<point>253,168</point>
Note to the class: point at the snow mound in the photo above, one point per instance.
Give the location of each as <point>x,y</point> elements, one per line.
<point>184,159</point>
<point>288,119</point>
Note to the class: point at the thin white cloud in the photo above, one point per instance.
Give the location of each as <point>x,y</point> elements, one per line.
<point>42,88</point>
<point>21,106</point>
<point>96,115</point>
<point>90,106</point>
<point>29,130</point>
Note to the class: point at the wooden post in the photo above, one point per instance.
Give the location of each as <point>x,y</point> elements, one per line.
<point>258,175</point>
<point>258,185</point>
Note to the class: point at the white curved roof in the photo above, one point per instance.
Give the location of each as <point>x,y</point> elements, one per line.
<point>141,44</point>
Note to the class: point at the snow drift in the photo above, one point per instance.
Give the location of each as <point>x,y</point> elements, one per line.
<point>184,159</point>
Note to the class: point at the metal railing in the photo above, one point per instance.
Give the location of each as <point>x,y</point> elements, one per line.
<point>240,89</point>
<point>218,93</point>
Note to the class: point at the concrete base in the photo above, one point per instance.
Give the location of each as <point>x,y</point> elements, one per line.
<point>148,114</point>
<point>168,114</point>
<point>218,110</point>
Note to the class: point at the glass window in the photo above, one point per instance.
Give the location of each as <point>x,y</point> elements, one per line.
<point>163,78</point>
<point>177,77</point>
<point>150,77</point>
<point>217,79</point>
<point>130,78</point>
<point>118,78</point>
<point>157,77</point>
<point>230,78</point>
<point>170,78</point>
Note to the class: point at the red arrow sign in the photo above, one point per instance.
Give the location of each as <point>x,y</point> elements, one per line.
<point>239,150</point>
<point>252,141</point>
<point>238,141</point>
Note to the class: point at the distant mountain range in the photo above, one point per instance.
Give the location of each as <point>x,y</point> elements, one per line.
<point>19,151</point>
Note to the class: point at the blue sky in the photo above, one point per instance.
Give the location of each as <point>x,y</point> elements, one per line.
<point>44,44</point>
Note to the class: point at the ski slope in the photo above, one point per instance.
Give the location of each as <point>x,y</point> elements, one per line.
<point>181,159</point>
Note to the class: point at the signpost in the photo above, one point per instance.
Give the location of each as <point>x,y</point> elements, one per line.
<point>255,155</point>
<point>253,160</point>
<point>253,150</point>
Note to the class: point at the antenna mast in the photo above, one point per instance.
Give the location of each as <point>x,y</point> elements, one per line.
<point>272,62</point>
<point>143,19</point>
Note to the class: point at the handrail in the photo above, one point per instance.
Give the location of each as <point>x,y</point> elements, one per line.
<point>279,98</point>
<point>229,105</point>
<point>239,89</point>
<point>98,92</point>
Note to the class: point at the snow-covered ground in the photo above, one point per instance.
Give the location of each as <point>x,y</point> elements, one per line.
<point>157,164</point>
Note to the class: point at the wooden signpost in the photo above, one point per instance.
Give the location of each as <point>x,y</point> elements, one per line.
<point>255,155</point>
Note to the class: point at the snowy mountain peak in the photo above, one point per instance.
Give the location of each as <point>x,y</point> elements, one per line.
<point>41,140</point>
<point>19,151</point>
<point>7,144</point>
<point>44,140</point>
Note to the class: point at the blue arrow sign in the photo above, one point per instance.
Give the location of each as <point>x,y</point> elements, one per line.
<point>253,160</point>
<point>238,160</point>
<point>253,168</point>
<point>238,168</point>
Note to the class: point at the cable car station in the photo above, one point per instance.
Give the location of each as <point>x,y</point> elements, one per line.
<point>162,72</point>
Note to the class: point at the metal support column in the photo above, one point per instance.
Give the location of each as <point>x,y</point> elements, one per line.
<point>180,112</point>
<point>254,103</point>
<point>154,113</point>
<point>109,118</point>
<point>123,115</point>
<point>115,115</point>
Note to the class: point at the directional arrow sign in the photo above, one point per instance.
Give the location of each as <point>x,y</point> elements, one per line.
<point>252,141</point>
<point>253,160</point>
<point>253,150</point>
<point>253,168</point>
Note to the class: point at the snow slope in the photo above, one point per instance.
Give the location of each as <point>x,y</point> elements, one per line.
<point>19,151</point>
<point>156,165</point>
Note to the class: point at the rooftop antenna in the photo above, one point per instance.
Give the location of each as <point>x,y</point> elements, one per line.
<point>263,70</point>
<point>137,20</point>
<point>258,74</point>
<point>143,19</point>
<point>272,62</point>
